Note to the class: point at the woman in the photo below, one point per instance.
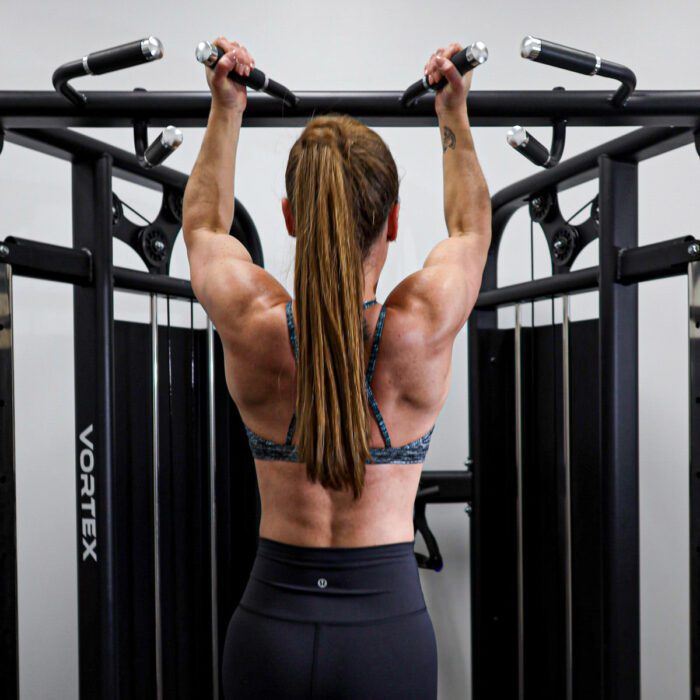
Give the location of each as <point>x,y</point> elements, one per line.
<point>339,393</point>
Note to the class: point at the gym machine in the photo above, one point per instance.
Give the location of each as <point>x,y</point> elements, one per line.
<point>551,484</point>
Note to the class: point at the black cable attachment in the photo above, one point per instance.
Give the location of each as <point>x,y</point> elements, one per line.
<point>578,61</point>
<point>209,55</point>
<point>106,61</point>
<point>465,60</point>
<point>153,241</point>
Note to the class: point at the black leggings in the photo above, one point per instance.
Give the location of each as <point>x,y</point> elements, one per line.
<point>332,623</point>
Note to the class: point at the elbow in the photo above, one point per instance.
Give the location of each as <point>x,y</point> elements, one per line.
<point>191,220</point>
<point>198,214</point>
<point>484,223</point>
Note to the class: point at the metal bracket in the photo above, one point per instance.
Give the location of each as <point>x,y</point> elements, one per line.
<point>153,242</point>
<point>433,560</point>
<point>449,486</point>
<point>565,241</point>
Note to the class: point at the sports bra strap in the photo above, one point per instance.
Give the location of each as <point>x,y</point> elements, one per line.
<point>378,416</point>
<point>292,330</point>
<point>375,345</point>
<point>370,373</point>
<point>291,429</point>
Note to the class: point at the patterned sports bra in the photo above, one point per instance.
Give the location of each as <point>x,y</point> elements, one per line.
<point>412,453</point>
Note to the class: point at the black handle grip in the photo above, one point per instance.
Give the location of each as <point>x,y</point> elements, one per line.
<point>169,140</point>
<point>578,61</point>
<point>256,80</point>
<point>124,56</point>
<point>529,146</point>
<point>465,60</point>
<point>560,56</point>
<point>209,54</point>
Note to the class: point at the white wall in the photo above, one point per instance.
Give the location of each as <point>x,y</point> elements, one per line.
<point>362,45</point>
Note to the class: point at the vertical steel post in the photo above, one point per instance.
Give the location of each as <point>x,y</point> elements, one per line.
<point>212,515</point>
<point>98,618</point>
<point>493,523</point>
<point>568,545</point>
<point>155,454</point>
<point>619,438</point>
<point>694,484</point>
<point>9,632</point>
<point>519,500</point>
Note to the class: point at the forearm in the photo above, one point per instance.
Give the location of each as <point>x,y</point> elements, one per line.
<point>466,196</point>
<point>209,199</point>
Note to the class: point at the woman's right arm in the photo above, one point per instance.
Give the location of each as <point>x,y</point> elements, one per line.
<point>448,285</point>
<point>466,195</point>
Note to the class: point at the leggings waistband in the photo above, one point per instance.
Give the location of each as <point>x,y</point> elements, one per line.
<point>333,584</point>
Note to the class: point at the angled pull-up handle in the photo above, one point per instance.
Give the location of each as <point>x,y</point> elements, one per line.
<point>162,147</point>
<point>465,60</point>
<point>578,61</point>
<point>524,142</point>
<point>209,55</point>
<point>106,61</point>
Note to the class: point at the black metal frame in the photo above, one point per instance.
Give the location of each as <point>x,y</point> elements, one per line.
<point>619,433</point>
<point>88,266</point>
<point>694,471</point>
<point>677,108</point>
<point>622,266</point>
<point>9,646</point>
<point>669,118</point>
<point>98,616</point>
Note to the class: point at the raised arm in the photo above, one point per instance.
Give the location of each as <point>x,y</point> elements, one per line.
<point>224,278</point>
<point>446,289</point>
<point>466,195</point>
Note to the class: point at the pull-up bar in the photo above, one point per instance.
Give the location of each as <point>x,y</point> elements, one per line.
<point>501,108</point>
<point>30,109</point>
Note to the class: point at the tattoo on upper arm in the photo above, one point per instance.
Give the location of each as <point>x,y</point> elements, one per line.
<point>448,139</point>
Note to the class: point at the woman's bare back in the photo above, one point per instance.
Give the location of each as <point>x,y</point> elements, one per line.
<point>410,388</point>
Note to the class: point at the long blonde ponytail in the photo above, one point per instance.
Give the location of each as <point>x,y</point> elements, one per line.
<point>326,181</point>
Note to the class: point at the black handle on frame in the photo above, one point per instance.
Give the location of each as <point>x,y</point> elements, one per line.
<point>465,60</point>
<point>116,58</point>
<point>209,54</point>
<point>524,142</point>
<point>433,560</point>
<point>578,61</point>
<point>149,156</point>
